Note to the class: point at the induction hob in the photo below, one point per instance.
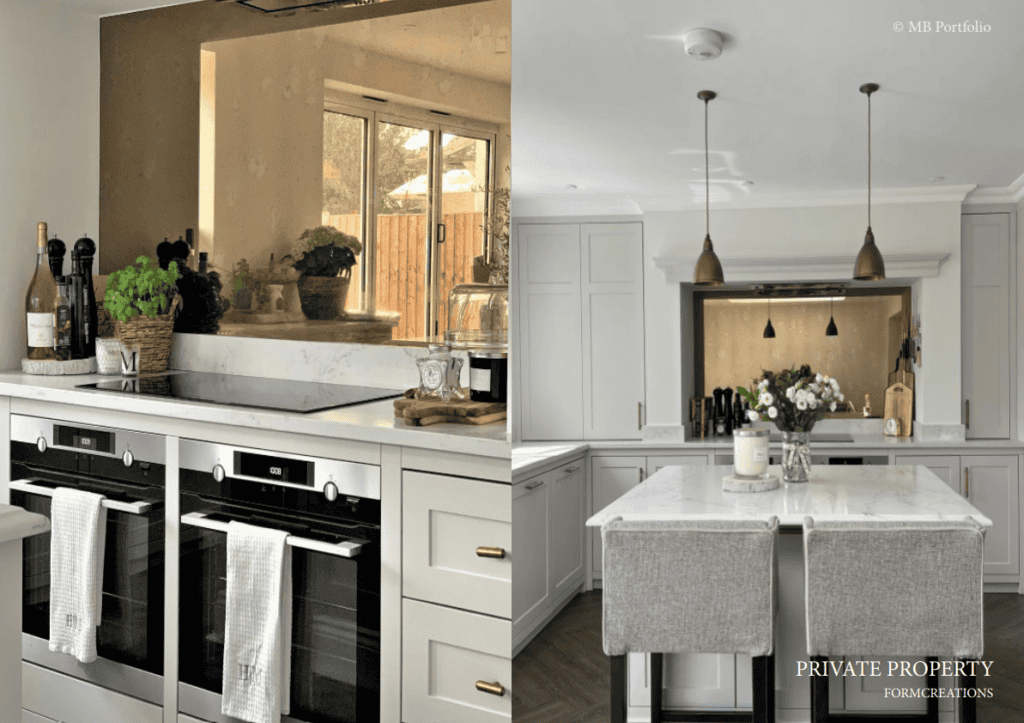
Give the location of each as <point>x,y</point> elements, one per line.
<point>278,394</point>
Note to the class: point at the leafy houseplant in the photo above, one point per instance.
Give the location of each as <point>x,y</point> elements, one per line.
<point>142,302</point>
<point>325,269</point>
<point>794,400</point>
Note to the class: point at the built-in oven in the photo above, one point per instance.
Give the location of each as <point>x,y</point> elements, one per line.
<point>127,468</point>
<point>331,512</point>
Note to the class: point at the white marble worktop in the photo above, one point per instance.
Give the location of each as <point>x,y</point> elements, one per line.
<point>527,458</point>
<point>371,422</point>
<point>16,523</point>
<point>848,493</point>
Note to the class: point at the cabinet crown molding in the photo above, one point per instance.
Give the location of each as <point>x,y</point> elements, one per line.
<point>899,268</point>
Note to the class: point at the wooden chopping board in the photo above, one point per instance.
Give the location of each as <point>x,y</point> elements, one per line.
<point>903,374</point>
<point>899,403</point>
<point>424,412</point>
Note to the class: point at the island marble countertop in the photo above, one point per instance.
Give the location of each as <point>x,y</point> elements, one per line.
<point>370,422</point>
<point>847,493</point>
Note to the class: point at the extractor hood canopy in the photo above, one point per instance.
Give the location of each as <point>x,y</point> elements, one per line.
<point>283,8</point>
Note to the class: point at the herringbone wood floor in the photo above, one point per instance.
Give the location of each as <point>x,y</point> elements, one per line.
<point>562,675</point>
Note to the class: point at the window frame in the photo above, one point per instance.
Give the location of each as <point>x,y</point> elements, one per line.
<point>373,111</point>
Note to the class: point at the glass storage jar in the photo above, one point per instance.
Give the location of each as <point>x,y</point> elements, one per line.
<point>478,317</point>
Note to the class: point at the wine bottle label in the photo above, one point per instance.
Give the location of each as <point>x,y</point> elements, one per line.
<point>40,329</point>
<point>480,380</point>
<point>62,333</point>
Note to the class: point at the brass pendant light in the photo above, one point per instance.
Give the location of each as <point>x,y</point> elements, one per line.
<point>769,330</point>
<point>708,271</point>
<point>831,329</point>
<point>869,265</point>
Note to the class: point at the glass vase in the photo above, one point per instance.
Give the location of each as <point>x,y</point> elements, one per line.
<point>796,456</point>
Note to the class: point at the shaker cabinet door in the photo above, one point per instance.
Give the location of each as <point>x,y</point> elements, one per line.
<point>991,485</point>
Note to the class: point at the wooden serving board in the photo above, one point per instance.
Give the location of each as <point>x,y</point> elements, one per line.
<point>899,403</point>
<point>424,412</point>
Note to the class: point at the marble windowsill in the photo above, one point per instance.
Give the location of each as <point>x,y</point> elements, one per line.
<point>834,493</point>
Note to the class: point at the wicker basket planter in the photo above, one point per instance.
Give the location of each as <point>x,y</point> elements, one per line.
<point>323,298</point>
<point>151,335</point>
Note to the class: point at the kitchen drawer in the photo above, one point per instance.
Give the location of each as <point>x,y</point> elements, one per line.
<point>445,653</point>
<point>70,700</point>
<point>444,522</point>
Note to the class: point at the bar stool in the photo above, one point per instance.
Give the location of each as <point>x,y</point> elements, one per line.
<point>697,586</point>
<point>886,588</point>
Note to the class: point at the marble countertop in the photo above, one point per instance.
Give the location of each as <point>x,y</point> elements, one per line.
<point>16,523</point>
<point>531,456</point>
<point>371,422</point>
<point>834,493</point>
<point>860,441</point>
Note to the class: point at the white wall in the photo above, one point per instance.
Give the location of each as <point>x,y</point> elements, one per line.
<point>818,231</point>
<point>49,144</point>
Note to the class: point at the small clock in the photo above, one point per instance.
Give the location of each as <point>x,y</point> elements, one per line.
<point>892,427</point>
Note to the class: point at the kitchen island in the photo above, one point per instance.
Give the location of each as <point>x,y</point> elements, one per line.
<point>848,493</point>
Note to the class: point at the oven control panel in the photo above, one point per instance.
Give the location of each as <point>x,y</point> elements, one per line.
<point>331,477</point>
<point>102,441</point>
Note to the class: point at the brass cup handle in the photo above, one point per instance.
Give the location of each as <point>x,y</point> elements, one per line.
<point>492,688</point>
<point>495,552</point>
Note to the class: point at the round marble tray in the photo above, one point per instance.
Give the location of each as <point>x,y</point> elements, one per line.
<point>732,483</point>
<point>53,367</point>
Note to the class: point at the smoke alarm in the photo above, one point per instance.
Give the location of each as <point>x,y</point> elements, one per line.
<point>703,44</point>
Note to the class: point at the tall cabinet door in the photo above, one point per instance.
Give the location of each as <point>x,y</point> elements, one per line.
<point>612,288</point>
<point>985,332</point>
<point>551,361</point>
<point>610,477</point>
<point>991,485</point>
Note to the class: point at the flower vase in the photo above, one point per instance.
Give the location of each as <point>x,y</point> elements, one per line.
<point>796,456</point>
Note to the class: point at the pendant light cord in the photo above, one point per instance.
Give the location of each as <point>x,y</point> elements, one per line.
<point>707,177</point>
<point>869,160</point>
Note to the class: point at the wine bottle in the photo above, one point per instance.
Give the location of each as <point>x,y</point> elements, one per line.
<point>62,321</point>
<point>79,314</point>
<point>86,249</point>
<point>39,302</point>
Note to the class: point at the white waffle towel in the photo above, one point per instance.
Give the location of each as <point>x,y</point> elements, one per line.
<point>257,629</point>
<point>78,532</point>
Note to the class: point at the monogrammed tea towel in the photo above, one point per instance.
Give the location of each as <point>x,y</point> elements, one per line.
<point>257,629</point>
<point>78,531</point>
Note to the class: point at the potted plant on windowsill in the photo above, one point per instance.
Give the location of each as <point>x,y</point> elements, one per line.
<point>142,302</point>
<point>325,269</point>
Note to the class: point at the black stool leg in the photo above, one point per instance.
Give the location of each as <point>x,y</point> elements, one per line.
<point>657,686</point>
<point>932,704</point>
<point>819,691</point>
<point>763,674</point>
<point>617,688</point>
<point>968,706</point>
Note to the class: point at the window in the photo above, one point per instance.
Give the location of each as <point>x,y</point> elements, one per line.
<point>412,186</point>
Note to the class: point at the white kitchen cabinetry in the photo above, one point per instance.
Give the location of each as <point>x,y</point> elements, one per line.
<point>548,536</point>
<point>62,698</point>
<point>991,485</point>
<point>988,328</point>
<point>581,330</point>
<point>550,329</point>
<point>455,666</point>
<point>945,467</point>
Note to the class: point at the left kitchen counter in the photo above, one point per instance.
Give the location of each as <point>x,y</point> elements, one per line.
<point>15,525</point>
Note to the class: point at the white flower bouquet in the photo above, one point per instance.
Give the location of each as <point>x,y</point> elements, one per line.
<point>794,399</point>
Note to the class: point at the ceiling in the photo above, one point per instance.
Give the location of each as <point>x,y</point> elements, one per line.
<point>604,98</point>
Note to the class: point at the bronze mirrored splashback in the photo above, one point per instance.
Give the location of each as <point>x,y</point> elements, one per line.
<point>386,121</point>
<point>730,349</point>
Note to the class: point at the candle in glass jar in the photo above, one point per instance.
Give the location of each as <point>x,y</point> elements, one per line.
<point>750,449</point>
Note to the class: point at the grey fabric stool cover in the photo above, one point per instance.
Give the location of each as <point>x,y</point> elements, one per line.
<point>701,586</point>
<point>695,586</point>
<point>893,588</point>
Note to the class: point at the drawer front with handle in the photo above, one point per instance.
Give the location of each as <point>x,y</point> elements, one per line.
<point>457,542</point>
<point>456,666</point>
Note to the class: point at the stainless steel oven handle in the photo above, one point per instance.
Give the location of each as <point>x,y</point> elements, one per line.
<point>340,549</point>
<point>132,508</point>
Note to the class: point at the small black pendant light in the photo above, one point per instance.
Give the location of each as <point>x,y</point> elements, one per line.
<point>769,330</point>
<point>869,265</point>
<point>708,271</point>
<point>831,329</point>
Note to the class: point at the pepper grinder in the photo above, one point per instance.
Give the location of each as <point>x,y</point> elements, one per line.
<point>739,418</point>
<point>727,411</point>
<point>55,251</point>
<point>86,249</point>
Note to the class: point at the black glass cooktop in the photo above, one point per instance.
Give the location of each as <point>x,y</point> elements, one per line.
<point>277,394</point>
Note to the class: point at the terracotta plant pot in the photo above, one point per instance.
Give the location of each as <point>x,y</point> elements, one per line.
<point>323,298</point>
